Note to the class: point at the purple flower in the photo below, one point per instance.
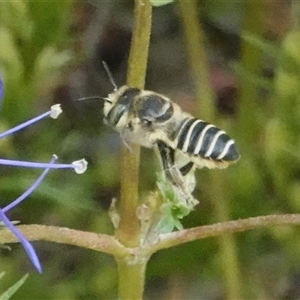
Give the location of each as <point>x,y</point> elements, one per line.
<point>26,245</point>
<point>79,166</point>
<point>54,112</point>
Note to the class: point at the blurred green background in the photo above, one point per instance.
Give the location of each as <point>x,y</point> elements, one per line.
<point>52,52</point>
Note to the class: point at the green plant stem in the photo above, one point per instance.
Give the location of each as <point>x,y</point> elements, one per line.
<point>195,42</point>
<point>228,253</point>
<point>131,278</point>
<point>128,230</point>
<point>132,274</point>
<point>138,56</point>
<point>249,112</point>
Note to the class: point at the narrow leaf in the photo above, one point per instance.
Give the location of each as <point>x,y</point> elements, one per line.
<point>6,295</point>
<point>2,274</point>
<point>160,2</point>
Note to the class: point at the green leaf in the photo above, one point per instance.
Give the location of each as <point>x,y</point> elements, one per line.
<point>160,2</point>
<point>172,209</point>
<point>257,80</point>
<point>6,295</point>
<point>269,47</point>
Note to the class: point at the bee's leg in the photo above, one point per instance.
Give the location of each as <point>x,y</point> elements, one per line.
<point>126,142</point>
<point>167,158</point>
<point>173,174</point>
<point>171,170</point>
<point>127,145</point>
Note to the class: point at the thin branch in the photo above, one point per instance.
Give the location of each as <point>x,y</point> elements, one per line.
<point>188,235</point>
<point>62,235</point>
<point>108,244</point>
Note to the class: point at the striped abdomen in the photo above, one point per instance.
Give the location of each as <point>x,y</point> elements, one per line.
<point>199,138</point>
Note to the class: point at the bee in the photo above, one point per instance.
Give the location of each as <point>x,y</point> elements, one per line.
<point>184,143</point>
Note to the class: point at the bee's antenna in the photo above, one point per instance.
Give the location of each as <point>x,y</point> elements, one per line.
<point>94,98</point>
<point>108,72</point>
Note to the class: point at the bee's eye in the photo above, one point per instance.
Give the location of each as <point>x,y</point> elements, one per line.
<point>147,122</point>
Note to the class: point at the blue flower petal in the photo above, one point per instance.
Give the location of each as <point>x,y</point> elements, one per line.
<point>31,188</point>
<point>26,245</point>
<point>25,124</point>
<point>79,166</point>
<point>54,112</point>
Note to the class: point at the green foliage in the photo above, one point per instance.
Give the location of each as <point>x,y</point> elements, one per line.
<point>13,289</point>
<point>33,52</point>
<point>35,46</point>
<point>271,161</point>
<point>172,209</point>
<point>160,2</point>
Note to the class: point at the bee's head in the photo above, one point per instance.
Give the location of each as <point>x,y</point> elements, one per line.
<point>117,106</point>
